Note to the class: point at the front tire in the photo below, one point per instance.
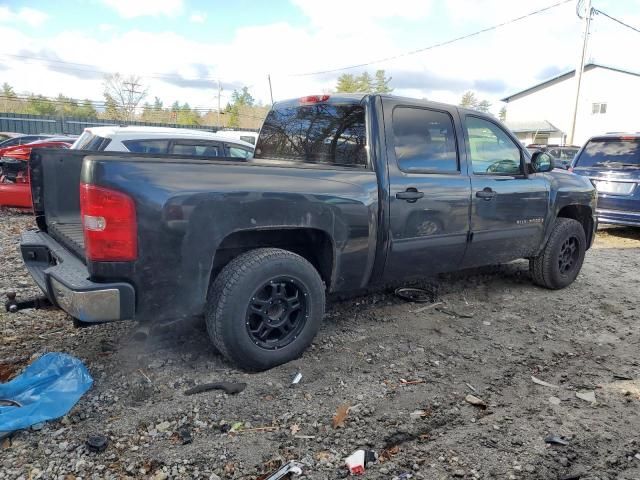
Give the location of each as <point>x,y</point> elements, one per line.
<point>264,308</point>
<point>561,260</point>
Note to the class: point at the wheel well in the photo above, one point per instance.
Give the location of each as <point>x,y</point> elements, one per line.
<point>312,244</point>
<point>582,214</point>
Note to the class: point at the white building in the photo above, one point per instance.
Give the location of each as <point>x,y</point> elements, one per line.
<point>609,102</point>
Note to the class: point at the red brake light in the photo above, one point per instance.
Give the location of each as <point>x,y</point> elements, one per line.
<point>311,99</point>
<point>109,224</point>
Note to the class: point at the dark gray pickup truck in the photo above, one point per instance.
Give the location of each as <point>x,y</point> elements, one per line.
<point>345,192</point>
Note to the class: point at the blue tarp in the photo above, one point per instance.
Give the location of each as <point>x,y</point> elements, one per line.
<point>47,389</point>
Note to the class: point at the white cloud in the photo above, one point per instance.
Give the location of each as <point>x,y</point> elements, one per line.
<point>494,63</point>
<point>329,12</point>
<point>29,16</point>
<point>198,17</point>
<point>145,8</point>
<point>106,27</point>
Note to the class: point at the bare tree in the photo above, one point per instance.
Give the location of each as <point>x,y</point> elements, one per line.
<point>123,95</point>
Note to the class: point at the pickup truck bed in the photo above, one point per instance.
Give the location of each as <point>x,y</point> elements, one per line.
<point>345,193</point>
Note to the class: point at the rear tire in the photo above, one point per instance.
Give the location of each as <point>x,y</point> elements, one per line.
<point>561,260</point>
<point>264,308</point>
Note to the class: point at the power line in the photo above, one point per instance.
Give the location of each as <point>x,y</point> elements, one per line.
<point>436,45</point>
<point>600,12</point>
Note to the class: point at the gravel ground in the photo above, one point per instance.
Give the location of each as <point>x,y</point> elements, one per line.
<point>404,373</point>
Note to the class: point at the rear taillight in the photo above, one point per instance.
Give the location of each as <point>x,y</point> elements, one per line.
<point>109,224</point>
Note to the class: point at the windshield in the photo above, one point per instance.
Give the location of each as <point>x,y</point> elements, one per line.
<point>319,133</point>
<point>612,153</point>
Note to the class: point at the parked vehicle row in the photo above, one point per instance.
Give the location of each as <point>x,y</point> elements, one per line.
<point>15,190</point>
<point>344,192</point>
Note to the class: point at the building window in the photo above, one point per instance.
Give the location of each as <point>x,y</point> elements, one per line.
<point>598,108</point>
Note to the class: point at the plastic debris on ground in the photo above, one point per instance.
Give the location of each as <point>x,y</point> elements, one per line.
<point>230,388</point>
<point>291,468</point>
<point>97,443</point>
<point>296,379</point>
<point>47,389</point>
<point>556,440</point>
<point>358,461</point>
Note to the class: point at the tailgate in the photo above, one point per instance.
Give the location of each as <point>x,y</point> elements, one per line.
<point>55,188</point>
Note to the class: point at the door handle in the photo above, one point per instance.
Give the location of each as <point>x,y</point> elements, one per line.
<point>486,194</point>
<point>411,195</point>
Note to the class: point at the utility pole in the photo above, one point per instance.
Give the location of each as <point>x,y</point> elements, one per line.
<point>580,70</point>
<point>219,91</point>
<point>270,89</point>
<point>131,102</point>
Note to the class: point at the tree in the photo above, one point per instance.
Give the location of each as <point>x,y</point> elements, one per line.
<point>381,84</point>
<point>483,106</point>
<point>239,101</point>
<point>8,91</point>
<point>502,115</point>
<point>125,93</point>
<point>364,83</point>
<point>111,109</point>
<point>40,105</point>
<point>347,83</point>
<point>469,100</point>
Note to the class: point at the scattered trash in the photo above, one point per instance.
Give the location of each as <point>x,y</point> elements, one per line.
<point>387,453</point>
<point>417,414</point>
<point>230,388</point>
<point>427,307</point>
<point>296,379</point>
<point>404,382</point>
<point>554,400</point>
<point>403,476</point>
<point>97,443</point>
<point>417,295</point>
<point>587,396</point>
<point>9,403</point>
<point>628,388</point>
<point>145,376</point>
<point>486,323</point>
<point>236,427</point>
<point>340,415</point>
<point>556,440</point>
<point>475,401</point>
<point>617,376</point>
<point>453,313</point>
<point>304,437</point>
<point>293,468</point>
<point>358,461</point>
<point>47,389</point>
<point>295,428</point>
<point>185,435</point>
<point>471,387</point>
<point>543,383</point>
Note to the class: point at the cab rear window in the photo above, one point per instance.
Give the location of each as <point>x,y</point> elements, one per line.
<point>319,133</point>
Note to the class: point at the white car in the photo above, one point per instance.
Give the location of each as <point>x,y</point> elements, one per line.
<point>244,135</point>
<point>161,140</point>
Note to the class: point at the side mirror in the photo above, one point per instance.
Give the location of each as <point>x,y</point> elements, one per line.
<point>542,162</point>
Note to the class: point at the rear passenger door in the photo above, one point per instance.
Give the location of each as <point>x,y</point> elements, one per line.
<point>508,206</point>
<point>429,193</point>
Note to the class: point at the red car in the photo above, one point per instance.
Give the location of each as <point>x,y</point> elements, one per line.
<point>15,190</point>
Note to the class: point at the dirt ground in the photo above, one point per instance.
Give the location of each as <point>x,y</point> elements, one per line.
<point>405,374</point>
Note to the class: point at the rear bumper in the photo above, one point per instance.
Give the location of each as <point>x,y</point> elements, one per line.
<point>618,217</point>
<point>65,281</point>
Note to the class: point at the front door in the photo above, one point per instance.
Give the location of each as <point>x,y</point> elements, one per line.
<point>508,207</point>
<point>429,193</point>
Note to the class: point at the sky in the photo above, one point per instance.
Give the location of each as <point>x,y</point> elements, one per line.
<point>183,48</point>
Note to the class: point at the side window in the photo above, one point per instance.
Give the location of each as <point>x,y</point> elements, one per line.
<point>237,152</point>
<point>147,146</point>
<point>424,140</point>
<point>196,149</point>
<point>490,148</point>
